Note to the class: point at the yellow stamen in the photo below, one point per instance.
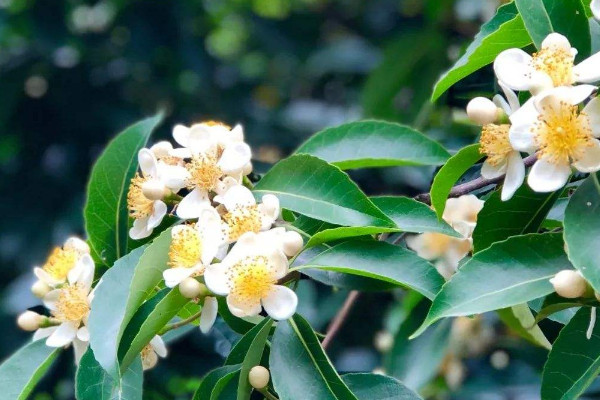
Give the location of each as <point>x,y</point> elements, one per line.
<point>60,262</point>
<point>72,304</point>
<point>495,143</point>
<point>557,63</point>
<point>251,279</point>
<point>204,173</point>
<point>241,220</point>
<point>170,160</point>
<point>186,248</point>
<point>216,123</point>
<point>139,205</point>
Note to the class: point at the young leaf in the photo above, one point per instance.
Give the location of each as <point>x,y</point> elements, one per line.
<point>383,261</point>
<point>312,187</point>
<point>504,31</point>
<point>211,379</point>
<point>520,319</point>
<point>374,144</point>
<point>93,383</point>
<point>449,174</point>
<point>345,232</point>
<point>24,369</point>
<point>106,218</point>
<point>300,368</point>
<point>574,361</point>
<point>378,387</point>
<point>505,274</point>
<point>252,358</point>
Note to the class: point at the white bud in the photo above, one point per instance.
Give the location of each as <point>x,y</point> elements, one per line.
<point>292,243</point>
<point>259,377</point>
<point>540,81</point>
<point>191,288</point>
<point>247,169</point>
<point>74,243</point>
<point>384,341</point>
<point>154,189</point>
<point>29,321</point>
<point>569,284</point>
<point>161,149</point>
<point>482,111</point>
<point>40,289</point>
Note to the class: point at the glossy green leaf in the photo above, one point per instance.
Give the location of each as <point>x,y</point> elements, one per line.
<point>520,319</point>
<point>536,20</point>
<point>252,358</point>
<point>312,187</point>
<point>378,387</point>
<point>582,230</point>
<point>449,174</point>
<point>345,232</point>
<point>523,213</point>
<point>239,325</point>
<point>106,218</point>
<point>504,31</point>
<point>374,144</point>
<point>308,227</point>
<point>346,281</point>
<point>505,274</point>
<point>382,261</point>
<point>574,361</point>
<point>553,304</point>
<point>211,379</point>
<point>93,383</point>
<point>23,370</point>
<point>238,352</point>
<point>226,387</point>
<point>300,368</point>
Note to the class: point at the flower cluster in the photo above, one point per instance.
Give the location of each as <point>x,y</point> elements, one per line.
<point>559,124</point>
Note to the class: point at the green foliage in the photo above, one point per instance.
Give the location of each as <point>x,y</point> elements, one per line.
<point>377,387</point>
<point>212,379</point>
<point>253,357</point>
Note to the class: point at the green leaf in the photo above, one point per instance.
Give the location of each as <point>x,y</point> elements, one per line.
<point>504,31</point>
<point>252,358</point>
<point>410,215</point>
<point>226,387</point>
<point>209,381</point>
<point>582,230</point>
<point>574,361</point>
<point>520,319</point>
<point>23,370</point>
<point>450,173</point>
<point>536,20</point>
<point>238,352</point>
<point>523,213</point>
<point>505,274</point>
<point>553,303</point>
<point>106,218</point>
<point>300,368</point>
<point>378,387</point>
<point>93,383</point>
<point>345,232</point>
<point>374,144</point>
<point>383,261</point>
<point>239,325</point>
<point>346,281</point>
<point>312,187</point>
<point>309,226</point>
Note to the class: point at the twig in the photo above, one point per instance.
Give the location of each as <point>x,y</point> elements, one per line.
<point>267,395</point>
<point>178,324</point>
<point>340,317</point>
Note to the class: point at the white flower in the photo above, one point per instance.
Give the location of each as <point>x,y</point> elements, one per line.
<point>150,353</point>
<point>70,305</point>
<point>193,247</point>
<point>553,66</point>
<point>210,308</point>
<point>205,137</point>
<point>248,276</point>
<point>461,214</point>
<point>67,261</point>
<point>561,134</point>
<point>595,7</point>
<point>244,215</point>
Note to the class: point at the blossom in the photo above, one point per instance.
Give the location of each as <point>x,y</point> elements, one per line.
<point>461,214</point>
<point>552,66</point>
<point>248,276</point>
<point>595,7</point>
<point>63,262</point>
<point>150,353</point>
<point>561,135</point>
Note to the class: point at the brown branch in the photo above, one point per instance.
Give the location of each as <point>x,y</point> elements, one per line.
<point>340,318</point>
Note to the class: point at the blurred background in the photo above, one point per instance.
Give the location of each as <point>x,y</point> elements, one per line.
<point>74,73</point>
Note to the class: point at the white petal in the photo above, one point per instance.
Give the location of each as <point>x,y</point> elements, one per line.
<point>148,163</point>
<point>592,110</point>
<point>215,277</point>
<point>522,138</point>
<point>140,229</point>
<point>51,298</point>
<point>500,102</point>
<point>77,244</point>
<point>173,176</point>
<point>595,7</point>
<point>209,225</point>
<point>281,303</point>
<point>159,346</point>
<point>515,174</point>
<point>511,97</point>
<point>79,348</point>
<point>526,114</point>
<point>246,309</point>
<point>174,276</point>
<point>46,277</point>
<point>513,67</point>
<point>556,41</point>
<point>588,70</point>
<point>569,94</point>
<point>64,335</point>
<point>420,244</point>
<point>159,212</point>
<point>192,204</point>
<point>83,334</point>
<point>181,152</point>
<point>237,133</point>
<point>238,196</point>
<point>44,333</point>
<point>83,272</point>
<point>181,134</point>
<point>489,171</point>
<point>162,148</point>
<point>234,158</point>
<point>270,210</point>
<point>209,314</point>
<point>548,177</point>
<point>590,162</point>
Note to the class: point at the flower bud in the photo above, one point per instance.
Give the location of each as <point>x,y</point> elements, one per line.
<point>482,111</point>
<point>540,81</point>
<point>40,289</point>
<point>292,243</point>
<point>191,288</point>
<point>161,149</point>
<point>259,377</point>
<point>569,284</point>
<point>154,189</point>
<point>74,243</point>
<point>29,321</point>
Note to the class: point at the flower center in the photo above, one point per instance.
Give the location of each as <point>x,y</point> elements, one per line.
<point>251,279</point>
<point>562,133</point>
<point>60,262</point>
<point>241,220</point>
<point>72,304</point>
<point>204,173</point>
<point>495,143</point>
<point>557,63</point>
<point>170,160</point>
<point>139,206</point>
<point>437,243</point>
<point>186,248</point>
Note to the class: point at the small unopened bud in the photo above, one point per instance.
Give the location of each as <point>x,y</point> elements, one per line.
<point>259,377</point>
<point>540,81</point>
<point>154,189</point>
<point>569,284</point>
<point>40,289</point>
<point>77,244</point>
<point>384,341</point>
<point>191,288</point>
<point>29,321</point>
<point>482,111</point>
<point>292,243</point>
<point>161,149</point>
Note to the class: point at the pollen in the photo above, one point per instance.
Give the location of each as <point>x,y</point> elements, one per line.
<point>60,262</point>
<point>251,279</point>
<point>186,248</point>
<point>204,173</point>
<point>557,63</point>
<point>241,220</point>
<point>139,206</point>
<point>562,134</point>
<point>72,304</point>
<point>495,143</point>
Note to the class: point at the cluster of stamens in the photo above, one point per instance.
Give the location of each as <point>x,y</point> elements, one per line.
<point>139,206</point>
<point>204,173</point>
<point>557,63</point>
<point>60,262</point>
<point>72,304</point>
<point>495,143</point>
<point>250,279</point>
<point>186,248</point>
<point>242,219</point>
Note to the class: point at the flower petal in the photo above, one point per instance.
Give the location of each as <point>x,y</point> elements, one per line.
<point>45,277</point>
<point>522,138</point>
<point>548,177</point>
<point>173,176</point>
<point>181,134</point>
<point>79,348</point>
<point>148,163</point>
<point>64,335</point>
<point>590,162</point>
<point>513,67</point>
<point>158,345</point>
<point>160,210</point>
<point>209,314</point>
<point>215,277</point>
<point>238,196</point>
<point>51,298</point>
<point>489,171</point>
<point>140,230</point>
<point>243,308</point>
<point>556,41</point>
<point>592,111</point>
<point>280,303</point>
<point>515,174</point>
<point>588,70</point>
<point>234,158</point>
<point>192,204</point>
<point>511,97</point>
<point>83,272</point>
<point>174,276</point>
<point>83,334</point>
<point>595,7</point>
<point>44,332</point>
